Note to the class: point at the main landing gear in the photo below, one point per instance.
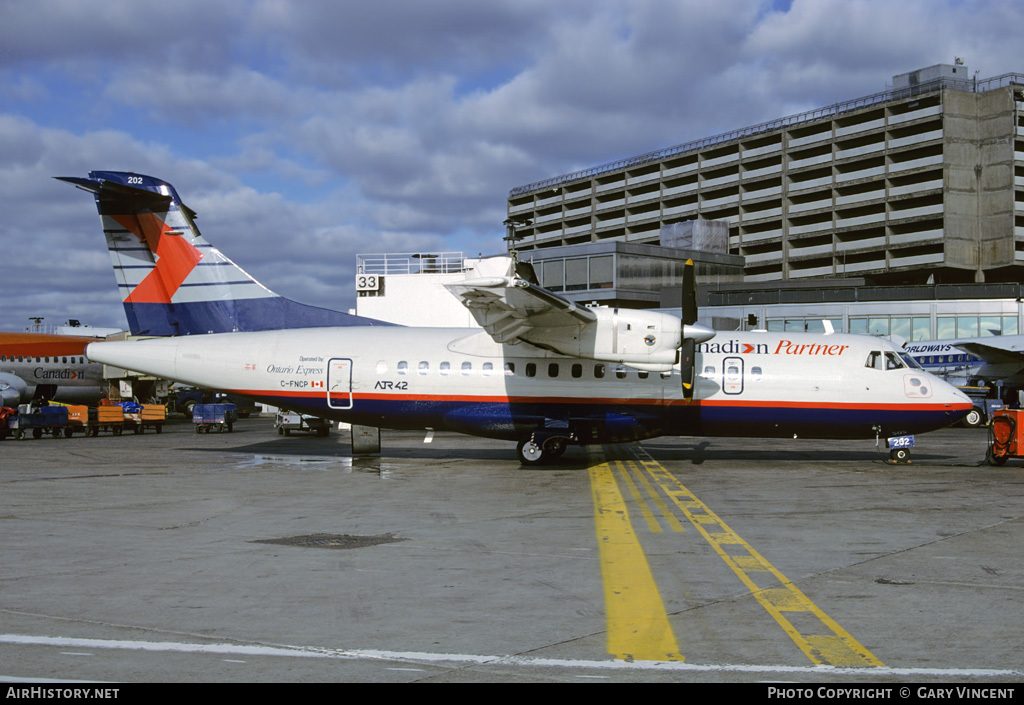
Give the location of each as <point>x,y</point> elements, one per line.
<point>534,451</point>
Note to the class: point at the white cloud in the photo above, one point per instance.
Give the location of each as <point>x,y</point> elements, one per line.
<point>307,131</point>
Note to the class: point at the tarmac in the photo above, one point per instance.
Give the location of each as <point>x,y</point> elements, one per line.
<point>249,557</point>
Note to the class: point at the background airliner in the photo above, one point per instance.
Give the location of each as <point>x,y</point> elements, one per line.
<point>48,367</point>
<point>542,372</point>
<point>992,358</point>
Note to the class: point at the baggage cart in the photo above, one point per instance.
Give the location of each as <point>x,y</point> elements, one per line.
<point>139,417</point>
<point>106,417</point>
<point>78,420</point>
<point>39,420</point>
<point>219,416</point>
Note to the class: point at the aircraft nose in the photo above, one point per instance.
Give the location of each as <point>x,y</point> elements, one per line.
<point>959,403</point>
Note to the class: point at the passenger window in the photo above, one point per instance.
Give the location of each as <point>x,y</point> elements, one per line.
<point>424,367</point>
<point>643,375</point>
<point>553,369</point>
<point>577,371</point>
<point>382,367</point>
<point>64,360</point>
<point>467,367</point>
<point>709,372</point>
<point>620,372</point>
<point>510,368</point>
<point>531,369</point>
<point>446,368</point>
<point>488,369</point>
<point>666,375</point>
<point>755,374</point>
<point>599,371</point>
<point>403,367</point>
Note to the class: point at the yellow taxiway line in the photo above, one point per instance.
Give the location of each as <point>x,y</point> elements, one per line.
<point>638,626</point>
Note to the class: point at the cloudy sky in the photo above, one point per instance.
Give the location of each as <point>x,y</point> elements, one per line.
<point>306,131</point>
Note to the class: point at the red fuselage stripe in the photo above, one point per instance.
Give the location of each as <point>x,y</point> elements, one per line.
<point>600,400</point>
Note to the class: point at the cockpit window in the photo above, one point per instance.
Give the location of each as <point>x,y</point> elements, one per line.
<point>893,361</point>
<point>874,358</point>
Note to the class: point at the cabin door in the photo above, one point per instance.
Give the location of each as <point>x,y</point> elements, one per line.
<point>339,383</point>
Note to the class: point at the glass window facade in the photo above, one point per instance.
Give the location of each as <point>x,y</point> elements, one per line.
<point>910,328</point>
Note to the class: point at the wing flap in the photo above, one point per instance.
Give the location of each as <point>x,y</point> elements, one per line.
<point>511,308</point>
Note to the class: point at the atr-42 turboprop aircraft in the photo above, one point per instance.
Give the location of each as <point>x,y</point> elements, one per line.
<point>543,371</point>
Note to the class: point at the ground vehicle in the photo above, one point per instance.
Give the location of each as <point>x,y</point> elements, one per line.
<point>986,402</point>
<point>183,400</point>
<point>219,416</point>
<point>1005,436</point>
<point>39,420</point>
<point>288,421</point>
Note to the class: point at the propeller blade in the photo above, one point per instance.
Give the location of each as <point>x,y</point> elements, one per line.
<point>689,304</point>
<point>687,366</point>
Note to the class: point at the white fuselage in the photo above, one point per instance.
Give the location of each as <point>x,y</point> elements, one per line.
<point>748,384</point>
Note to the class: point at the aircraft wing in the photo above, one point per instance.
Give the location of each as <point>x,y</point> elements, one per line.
<point>994,350</point>
<point>513,310</point>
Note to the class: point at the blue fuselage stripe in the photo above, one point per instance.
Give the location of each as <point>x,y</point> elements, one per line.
<point>624,421</point>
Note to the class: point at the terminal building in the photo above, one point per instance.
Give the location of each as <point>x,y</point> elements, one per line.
<point>914,194</point>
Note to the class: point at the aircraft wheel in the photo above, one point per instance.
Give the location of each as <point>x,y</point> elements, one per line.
<point>37,433</point>
<point>554,447</point>
<point>900,455</point>
<point>974,418</point>
<point>529,452</point>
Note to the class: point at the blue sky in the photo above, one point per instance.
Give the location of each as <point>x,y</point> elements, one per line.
<point>306,131</point>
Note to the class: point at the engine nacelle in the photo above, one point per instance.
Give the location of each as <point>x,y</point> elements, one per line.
<point>13,390</point>
<point>645,339</point>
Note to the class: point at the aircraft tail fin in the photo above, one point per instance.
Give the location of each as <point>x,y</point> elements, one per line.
<point>174,282</point>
